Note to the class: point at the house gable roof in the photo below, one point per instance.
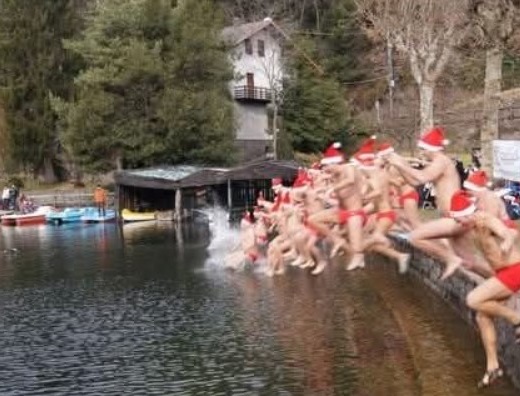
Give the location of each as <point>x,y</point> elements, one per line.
<point>238,33</point>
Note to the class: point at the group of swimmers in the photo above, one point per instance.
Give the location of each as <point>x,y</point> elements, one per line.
<point>349,207</point>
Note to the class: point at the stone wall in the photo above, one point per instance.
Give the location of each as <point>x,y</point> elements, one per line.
<point>454,291</point>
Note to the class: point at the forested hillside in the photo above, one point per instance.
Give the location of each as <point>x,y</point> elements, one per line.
<point>91,86</point>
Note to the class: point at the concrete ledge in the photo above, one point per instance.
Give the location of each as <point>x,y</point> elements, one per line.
<point>454,291</point>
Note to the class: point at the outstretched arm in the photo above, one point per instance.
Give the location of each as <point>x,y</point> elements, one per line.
<point>416,177</point>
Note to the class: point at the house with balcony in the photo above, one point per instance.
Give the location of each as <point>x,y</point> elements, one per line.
<point>256,56</point>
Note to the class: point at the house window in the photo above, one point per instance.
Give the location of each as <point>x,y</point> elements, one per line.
<point>249,47</point>
<point>261,48</point>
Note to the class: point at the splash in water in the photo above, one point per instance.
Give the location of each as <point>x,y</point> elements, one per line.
<point>225,239</point>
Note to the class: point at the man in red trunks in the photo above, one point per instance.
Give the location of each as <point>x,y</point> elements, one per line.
<point>432,236</point>
<point>477,185</point>
<point>379,194</point>
<point>487,299</point>
<point>347,182</point>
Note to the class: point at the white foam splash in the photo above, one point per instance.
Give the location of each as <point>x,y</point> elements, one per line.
<point>224,237</point>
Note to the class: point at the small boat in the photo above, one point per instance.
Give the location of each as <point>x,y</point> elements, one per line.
<point>36,217</point>
<point>67,215</point>
<point>92,215</point>
<point>129,216</point>
<point>6,212</point>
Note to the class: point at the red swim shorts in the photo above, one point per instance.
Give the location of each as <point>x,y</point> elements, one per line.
<point>389,214</point>
<point>414,195</point>
<point>252,256</point>
<point>510,224</point>
<point>344,215</point>
<point>510,277</point>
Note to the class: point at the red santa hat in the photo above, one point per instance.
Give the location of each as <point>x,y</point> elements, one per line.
<point>333,155</point>
<point>367,149</point>
<point>461,205</point>
<point>433,140</point>
<point>362,163</point>
<point>477,181</point>
<point>384,149</point>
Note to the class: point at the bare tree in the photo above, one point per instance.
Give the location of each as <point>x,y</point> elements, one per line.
<point>426,31</point>
<point>495,22</point>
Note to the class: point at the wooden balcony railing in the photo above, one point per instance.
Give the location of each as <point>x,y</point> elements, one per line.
<point>244,92</point>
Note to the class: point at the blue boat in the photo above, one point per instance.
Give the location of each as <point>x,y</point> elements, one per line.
<point>92,215</point>
<point>67,215</point>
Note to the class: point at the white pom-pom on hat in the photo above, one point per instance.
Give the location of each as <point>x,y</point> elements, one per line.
<point>336,145</point>
<point>445,142</point>
<point>373,137</point>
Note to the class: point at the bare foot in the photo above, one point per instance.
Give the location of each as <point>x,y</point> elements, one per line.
<point>319,268</point>
<point>280,271</point>
<point>298,262</point>
<point>356,264</point>
<point>308,264</point>
<point>404,261</point>
<point>337,246</point>
<point>451,267</point>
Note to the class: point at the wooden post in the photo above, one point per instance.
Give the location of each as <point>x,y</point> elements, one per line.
<point>178,205</point>
<point>229,196</point>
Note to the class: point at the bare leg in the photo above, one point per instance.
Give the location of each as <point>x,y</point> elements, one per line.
<point>322,222</point>
<point>422,236</point>
<point>355,232</point>
<point>489,340</point>
<point>486,298</point>
<point>411,212</point>
<point>463,245</point>
<point>402,259</point>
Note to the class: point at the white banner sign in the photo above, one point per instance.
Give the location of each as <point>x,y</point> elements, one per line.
<point>506,159</point>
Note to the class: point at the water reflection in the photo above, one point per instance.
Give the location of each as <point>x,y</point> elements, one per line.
<point>110,309</point>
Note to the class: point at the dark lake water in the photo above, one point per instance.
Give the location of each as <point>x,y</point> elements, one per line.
<point>138,310</point>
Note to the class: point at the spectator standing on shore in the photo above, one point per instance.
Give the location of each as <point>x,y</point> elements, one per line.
<point>5,198</point>
<point>100,199</point>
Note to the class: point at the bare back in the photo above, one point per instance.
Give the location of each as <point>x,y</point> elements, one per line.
<point>447,181</point>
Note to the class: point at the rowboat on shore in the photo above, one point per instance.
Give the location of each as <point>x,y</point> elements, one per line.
<point>92,215</point>
<point>36,217</point>
<point>129,216</point>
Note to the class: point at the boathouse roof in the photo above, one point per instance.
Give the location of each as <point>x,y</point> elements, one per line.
<point>186,176</point>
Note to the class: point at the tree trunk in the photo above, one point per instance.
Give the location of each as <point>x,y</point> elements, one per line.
<point>492,87</point>
<point>426,91</point>
<point>275,131</point>
<point>119,162</point>
<point>47,174</point>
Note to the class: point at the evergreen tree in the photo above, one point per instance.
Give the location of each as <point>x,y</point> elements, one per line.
<point>344,46</point>
<point>33,63</point>
<point>314,110</point>
<point>154,89</point>
<point>198,107</point>
<point>113,117</point>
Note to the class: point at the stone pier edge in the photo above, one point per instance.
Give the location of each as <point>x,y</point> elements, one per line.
<point>454,291</point>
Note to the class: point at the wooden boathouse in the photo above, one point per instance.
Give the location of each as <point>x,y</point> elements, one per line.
<point>182,188</point>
